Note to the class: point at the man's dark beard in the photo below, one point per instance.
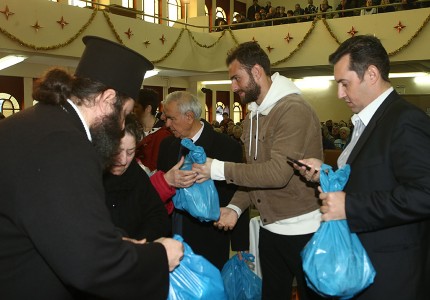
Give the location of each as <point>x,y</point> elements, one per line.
<point>252,91</point>
<point>106,136</point>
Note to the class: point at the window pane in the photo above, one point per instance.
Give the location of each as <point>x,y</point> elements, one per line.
<point>174,11</point>
<point>78,3</point>
<point>237,112</point>
<point>8,104</point>
<point>127,3</point>
<point>220,13</point>
<point>150,7</point>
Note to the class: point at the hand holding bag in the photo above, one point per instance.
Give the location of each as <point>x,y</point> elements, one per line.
<point>201,199</point>
<point>195,278</point>
<point>334,260</point>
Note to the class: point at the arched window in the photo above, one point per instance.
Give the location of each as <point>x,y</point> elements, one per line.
<point>206,113</point>
<point>219,110</point>
<point>237,112</point>
<point>150,7</point>
<point>174,8</point>
<point>220,13</point>
<point>8,104</point>
<point>79,3</point>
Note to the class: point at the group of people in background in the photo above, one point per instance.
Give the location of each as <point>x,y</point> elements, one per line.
<point>268,15</point>
<point>336,135</point>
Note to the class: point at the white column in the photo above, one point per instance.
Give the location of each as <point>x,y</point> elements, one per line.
<point>28,92</point>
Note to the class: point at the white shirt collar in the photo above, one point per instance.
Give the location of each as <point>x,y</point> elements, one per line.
<point>199,133</point>
<point>87,129</point>
<point>367,113</point>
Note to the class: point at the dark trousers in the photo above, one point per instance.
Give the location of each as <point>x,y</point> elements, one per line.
<point>280,263</point>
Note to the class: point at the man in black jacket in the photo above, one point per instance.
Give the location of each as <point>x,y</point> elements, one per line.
<point>183,111</point>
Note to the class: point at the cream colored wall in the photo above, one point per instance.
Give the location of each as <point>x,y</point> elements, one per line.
<point>198,51</point>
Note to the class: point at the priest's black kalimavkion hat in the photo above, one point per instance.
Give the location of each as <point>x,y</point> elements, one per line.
<point>114,65</point>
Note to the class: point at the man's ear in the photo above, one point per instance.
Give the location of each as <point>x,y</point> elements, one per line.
<point>373,73</point>
<point>256,72</point>
<point>105,100</point>
<point>190,116</point>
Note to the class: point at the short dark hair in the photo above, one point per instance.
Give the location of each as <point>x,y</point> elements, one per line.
<point>363,50</point>
<point>133,127</point>
<point>249,54</point>
<point>149,97</point>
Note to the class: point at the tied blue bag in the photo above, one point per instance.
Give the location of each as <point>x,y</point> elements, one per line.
<point>201,199</point>
<point>239,281</point>
<point>195,278</point>
<point>334,261</point>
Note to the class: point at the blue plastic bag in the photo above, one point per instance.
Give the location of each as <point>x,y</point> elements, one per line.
<point>334,261</point>
<point>195,278</point>
<point>239,281</point>
<point>201,199</point>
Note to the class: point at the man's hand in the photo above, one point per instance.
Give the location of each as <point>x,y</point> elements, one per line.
<point>227,220</point>
<point>139,242</point>
<point>333,205</point>
<point>174,250</point>
<point>203,171</point>
<point>180,178</point>
<point>312,175</point>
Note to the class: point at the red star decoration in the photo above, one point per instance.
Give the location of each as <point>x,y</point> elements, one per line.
<point>129,33</point>
<point>254,40</point>
<point>288,38</point>
<point>147,43</point>
<point>399,27</point>
<point>269,48</point>
<point>162,39</point>
<point>352,32</point>
<point>7,12</point>
<point>62,22</point>
<point>36,26</point>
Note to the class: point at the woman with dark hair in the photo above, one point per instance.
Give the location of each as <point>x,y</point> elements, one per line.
<point>132,200</point>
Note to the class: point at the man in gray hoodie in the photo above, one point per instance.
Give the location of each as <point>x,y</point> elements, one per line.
<point>280,124</point>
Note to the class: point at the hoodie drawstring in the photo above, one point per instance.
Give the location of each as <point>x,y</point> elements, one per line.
<point>250,135</point>
<point>256,140</point>
<point>250,138</point>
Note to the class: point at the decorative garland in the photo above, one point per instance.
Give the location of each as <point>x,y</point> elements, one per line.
<point>203,45</point>
<point>171,49</point>
<point>299,45</point>
<point>53,47</point>
<point>330,31</point>
<point>390,53</point>
<point>412,38</point>
<point>233,37</point>
<point>174,46</point>
<point>112,27</point>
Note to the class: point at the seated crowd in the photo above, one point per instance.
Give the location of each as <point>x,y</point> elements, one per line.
<point>259,16</point>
